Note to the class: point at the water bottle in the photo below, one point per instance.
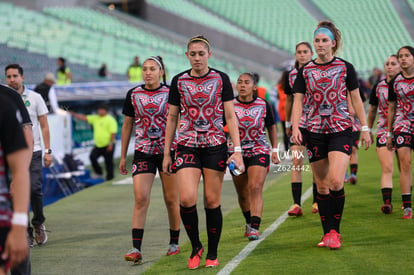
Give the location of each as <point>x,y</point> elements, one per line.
<point>234,169</point>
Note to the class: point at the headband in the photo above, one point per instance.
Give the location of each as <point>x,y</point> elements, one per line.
<point>199,39</point>
<point>325,31</point>
<point>156,60</point>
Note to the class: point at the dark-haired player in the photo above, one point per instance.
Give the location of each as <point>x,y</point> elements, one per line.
<point>201,96</point>
<point>254,115</point>
<point>401,122</point>
<point>379,101</point>
<point>303,54</point>
<point>146,108</point>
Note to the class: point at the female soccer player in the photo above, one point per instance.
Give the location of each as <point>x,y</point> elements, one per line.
<point>379,101</point>
<point>146,107</point>
<point>303,55</point>
<point>201,96</point>
<point>326,81</point>
<point>254,114</point>
<point>401,122</point>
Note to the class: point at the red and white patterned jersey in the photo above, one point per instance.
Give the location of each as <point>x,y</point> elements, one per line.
<point>379,97</point>
<point>291,80</point>
<point>150,110</point>
<point>327,86</point>
<point>401,90</point>
<point>253,117</point>
<point>201,107</point>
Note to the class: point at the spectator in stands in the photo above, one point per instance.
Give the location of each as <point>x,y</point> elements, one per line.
<point>401,122</point>
<point>103,71</point>
<point>379,101</point>
<point>303,54</point>
<point>48,93</point>
<point>14,219</point>
<point>134,72</point>
<point>149,121</point>
<point>327,81</point>
<point>363,87</point>
<point>38,115</point>
<point>374,78</point>
<point>64,74</point>
<point>204,95</point>
<point>256,151</point>
<point>105,128</point>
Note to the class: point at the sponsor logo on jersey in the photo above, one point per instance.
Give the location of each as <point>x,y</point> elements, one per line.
<point>310,155</point>
<point>179,162</point>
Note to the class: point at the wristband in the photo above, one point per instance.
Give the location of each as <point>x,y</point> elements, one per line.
<point>365,129</point>
<point>275,150</point>
<point>20,218</point>
<point>288,124</point>
<point>237,149</point>
<point>389,134</point>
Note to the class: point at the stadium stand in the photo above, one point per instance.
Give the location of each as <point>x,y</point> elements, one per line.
<point>124,39</point>
<point>284,23</point>
<point>275,21</point>
<point>196,13</point>
<point>367,45</point>
<point>36,65</point>
<point>89,38</point>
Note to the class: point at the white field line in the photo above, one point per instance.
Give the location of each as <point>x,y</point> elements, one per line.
<point>252,245</point>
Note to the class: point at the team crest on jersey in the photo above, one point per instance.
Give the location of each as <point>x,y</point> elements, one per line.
<point>27,103</point>
<point>179,162</point>
<point>200,88</point>
<point>382,140</point>
<point>134,168</point>
<point>400,140</point>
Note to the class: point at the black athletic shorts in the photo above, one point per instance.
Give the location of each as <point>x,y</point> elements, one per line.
<point>210,157</point>
<point>146,163</point>
<point>4,264</point>
<point>304,133</point>
<point>319,145</point>
<point>355,138</point>
<point>259,160</point>
<point>382,141</point>
<point>404,140</point>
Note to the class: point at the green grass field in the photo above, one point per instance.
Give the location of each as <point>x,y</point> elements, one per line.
<point>90,232</point>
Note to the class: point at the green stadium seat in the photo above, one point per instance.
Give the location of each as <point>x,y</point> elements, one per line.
<point>376,38</point>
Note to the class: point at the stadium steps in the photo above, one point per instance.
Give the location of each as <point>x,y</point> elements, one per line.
<point>35,65</point>
<point>313,10</point>
<point>129,40</point>
<point>405,9</point>
<point>240,62</point>
<point>368,38</point>
<point>275,21</point>
<point>198,13</point>
<point>268,73</point>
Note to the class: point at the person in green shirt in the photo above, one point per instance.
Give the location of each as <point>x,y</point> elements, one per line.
<point>135,71</point>
<point>64,75</point>
<point>105,128</point>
